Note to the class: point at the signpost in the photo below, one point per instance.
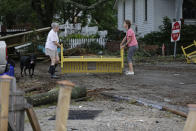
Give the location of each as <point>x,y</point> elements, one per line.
<point>175,35</point>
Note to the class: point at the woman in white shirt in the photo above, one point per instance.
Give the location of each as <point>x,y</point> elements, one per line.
<point>51,48</point>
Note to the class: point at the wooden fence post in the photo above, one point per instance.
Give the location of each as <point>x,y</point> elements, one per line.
<point>190,124</point>
<point>62,110</point>
<point>4,101</point>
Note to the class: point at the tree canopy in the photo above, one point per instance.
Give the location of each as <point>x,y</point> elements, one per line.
<point>40,13</point>
<point>17,12</point>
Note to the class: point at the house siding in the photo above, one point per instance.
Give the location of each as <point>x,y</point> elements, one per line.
<point>129,9</point>
<point>167,8</point>
<point>157,9</point>
<point>120,14</point>
<point>144,27</point>
<point>181,9</point>
<point>128,12</point>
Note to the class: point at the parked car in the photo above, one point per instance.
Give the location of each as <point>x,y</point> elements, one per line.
<point>5,66</point>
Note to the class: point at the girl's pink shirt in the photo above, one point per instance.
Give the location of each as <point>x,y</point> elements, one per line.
<point>133,42</point>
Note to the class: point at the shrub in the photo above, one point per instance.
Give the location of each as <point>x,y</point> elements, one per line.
<point>92,47</point>
<point>116,35</point>
<point>188,35</point>
<point>86,48</point>
<point>75,52</point>
<point>112,46</point>
<point>80,36</point>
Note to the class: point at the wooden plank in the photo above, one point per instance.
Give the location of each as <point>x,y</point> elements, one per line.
<point>11,126</point>
<point>33,119</point>
<point>4,101</point>
<point>19,114</point>
<point>20,120</point>
<point>18,102</point>
<point>25,33</point>
<point>15,107</point>
<point>191,119</point>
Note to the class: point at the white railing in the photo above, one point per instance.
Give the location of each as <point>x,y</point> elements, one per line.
<point>76,42</point>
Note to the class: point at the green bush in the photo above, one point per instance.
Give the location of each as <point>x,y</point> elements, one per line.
<point>80,36</point>
<point>116,35</point>
<point>84,49</point>
<point>92,47</point>
<point>75,52</point>
<point>188,35</point>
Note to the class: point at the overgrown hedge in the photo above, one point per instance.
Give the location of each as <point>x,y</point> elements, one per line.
<point>80,36</point>
<point>85,49</point>
<point>188,35</point>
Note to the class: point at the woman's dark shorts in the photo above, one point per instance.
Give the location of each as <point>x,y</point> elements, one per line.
<point>131,52</point>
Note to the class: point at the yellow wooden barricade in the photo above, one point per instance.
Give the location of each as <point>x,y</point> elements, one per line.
<point>101,64</point>
<point>190,57</point>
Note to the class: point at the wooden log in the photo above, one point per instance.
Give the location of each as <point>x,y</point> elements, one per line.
<point>33,119</point>
<point>78,92</point>
<point>4,101</point>
<point>174,111</point>
<point>43,98</point>
<point>52,96</point>
<point>63,105</point>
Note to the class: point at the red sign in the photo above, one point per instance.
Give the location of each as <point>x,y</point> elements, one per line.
<point>176,26</point>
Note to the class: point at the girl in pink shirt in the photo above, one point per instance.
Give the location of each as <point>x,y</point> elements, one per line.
<point>132,44</point>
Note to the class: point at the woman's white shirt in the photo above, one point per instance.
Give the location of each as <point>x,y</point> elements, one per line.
<point>52,37</point>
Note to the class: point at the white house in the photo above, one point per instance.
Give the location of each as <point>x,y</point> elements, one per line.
<point>146,15</point>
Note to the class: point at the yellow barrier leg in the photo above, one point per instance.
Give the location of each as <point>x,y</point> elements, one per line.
<point>62,59</point>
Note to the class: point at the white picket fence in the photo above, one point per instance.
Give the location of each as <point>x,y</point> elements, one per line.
<point>76,42</point>
<point>77,28</point>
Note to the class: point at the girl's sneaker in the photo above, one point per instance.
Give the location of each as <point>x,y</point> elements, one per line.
<point>129,73</point>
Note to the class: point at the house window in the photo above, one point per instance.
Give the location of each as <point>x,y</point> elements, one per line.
<point>133,11</point>
<point>188,11</point>
<point>124,10</point>
<point>146,10</point>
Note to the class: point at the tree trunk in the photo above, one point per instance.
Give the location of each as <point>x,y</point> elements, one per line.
<point>52,96</point>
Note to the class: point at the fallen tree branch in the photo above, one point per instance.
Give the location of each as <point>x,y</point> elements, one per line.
<point>32,89</point>
<point>180,113</point>
<point>52,96</point>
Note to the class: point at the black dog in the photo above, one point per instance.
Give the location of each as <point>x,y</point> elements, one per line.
<point>27,62</point>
